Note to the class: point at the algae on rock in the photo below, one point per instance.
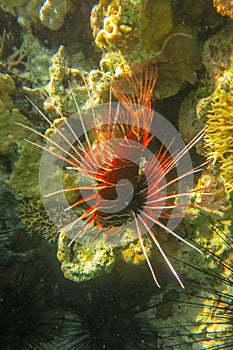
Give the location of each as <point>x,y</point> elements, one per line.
<point>83,262</point>
<point>25,171</point>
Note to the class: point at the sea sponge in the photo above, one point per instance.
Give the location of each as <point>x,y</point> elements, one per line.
<point>127,25</point>
<point>114,24</point>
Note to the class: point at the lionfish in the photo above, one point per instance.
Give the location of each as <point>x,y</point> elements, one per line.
<point>119,184</point>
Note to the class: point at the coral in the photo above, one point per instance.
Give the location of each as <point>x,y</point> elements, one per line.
<point>26,8</point>
<point>180,58</point>
<point>89,89</point>
<point>131,250</point>
<point>46,58</point>
<point>220,127</point>
<point>126,25</point>
<point>188,121</point>
<point>204,316</point>
<point>27,60</point>
<point>58,90</point>
<point>12,143</point>
<point>37,221</point>
<point>118,22</point>
<point>52,13</point>
<point>59,73</point>
<point>224,7</point>
<point>216,58</point>
<point>37,58</point>
<point>143,30</point>
<point>210,223</point>
<point>82,262</point>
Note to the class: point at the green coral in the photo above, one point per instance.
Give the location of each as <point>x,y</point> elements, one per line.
<point>35,73</point>
<point>216,55</point>
<point>216,58</point>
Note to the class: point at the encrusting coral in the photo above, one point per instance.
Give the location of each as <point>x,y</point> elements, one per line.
<point>13,144</point>
<point>131,249</point>
<point>81,262</point>
<point>147,29</point>
<point>128,31</point>
<point>89,88</point>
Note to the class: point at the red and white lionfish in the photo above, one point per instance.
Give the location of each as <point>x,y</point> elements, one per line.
<point>123,186</point>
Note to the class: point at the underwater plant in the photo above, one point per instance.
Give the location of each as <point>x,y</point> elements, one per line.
<point>30,317</point>
<point>119,177</point>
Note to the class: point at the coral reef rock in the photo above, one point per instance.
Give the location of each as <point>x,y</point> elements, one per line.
<point>52,13</point>
<point>148,29</point>
<point>84,262</point>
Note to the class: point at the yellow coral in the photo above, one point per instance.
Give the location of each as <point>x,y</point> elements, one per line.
<point>219,133</point>
<point>132,251</point>
<point>224,7</point>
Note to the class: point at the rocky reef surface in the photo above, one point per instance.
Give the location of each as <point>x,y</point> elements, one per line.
<point>48,46</point>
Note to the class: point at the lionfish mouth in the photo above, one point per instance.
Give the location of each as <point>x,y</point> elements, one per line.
<point>120,180</point>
